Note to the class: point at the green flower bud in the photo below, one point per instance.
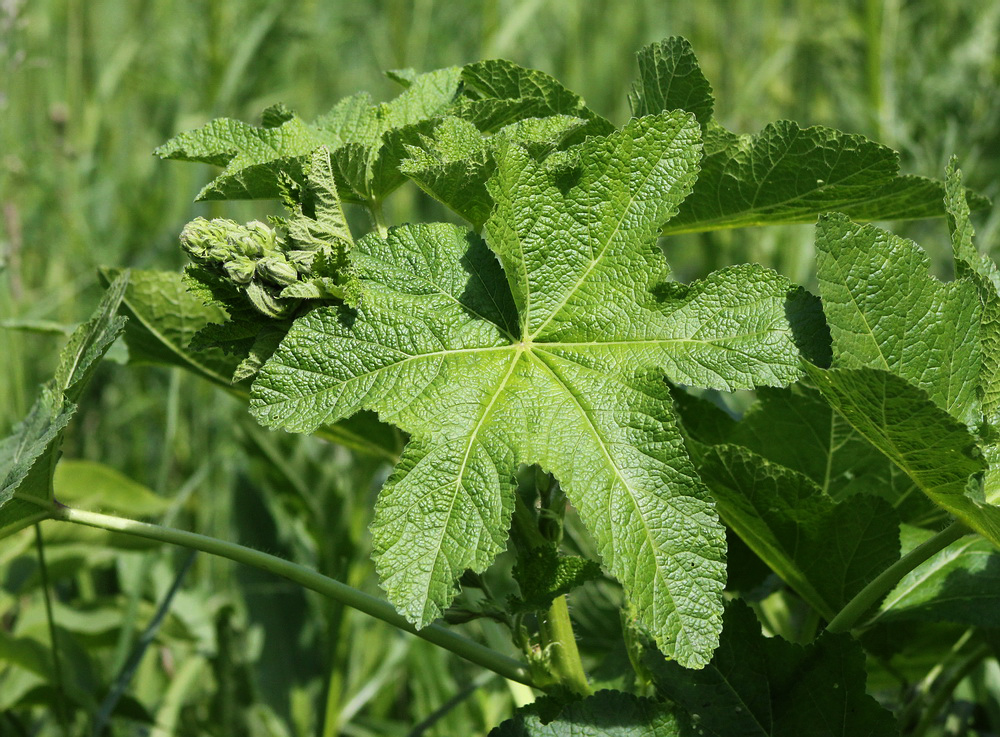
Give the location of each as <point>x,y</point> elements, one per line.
<point>240,271</point>
<point>278,271</point>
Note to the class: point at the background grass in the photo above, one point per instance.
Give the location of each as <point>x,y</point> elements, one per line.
<point>92,86</point>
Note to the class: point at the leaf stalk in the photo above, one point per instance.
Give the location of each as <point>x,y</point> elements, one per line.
<point>310,579</point>
<point>870,595</point>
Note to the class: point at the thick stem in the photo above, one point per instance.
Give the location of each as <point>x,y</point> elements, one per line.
<point>558,637</point>
<point>870,595</point>
<point>310,579</point>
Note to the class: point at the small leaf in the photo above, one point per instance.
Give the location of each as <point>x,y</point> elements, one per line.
<point>542,575</point>
<point>366,141</point>
<point>671,79</point>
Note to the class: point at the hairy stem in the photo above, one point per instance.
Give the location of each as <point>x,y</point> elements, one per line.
<point>870,595</point>
<point>310,579</point>
<point>557,635</point>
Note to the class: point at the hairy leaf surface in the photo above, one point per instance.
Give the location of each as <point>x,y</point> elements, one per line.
<point>554,359</point>
<point>886,311</point>
<point>784,173</point>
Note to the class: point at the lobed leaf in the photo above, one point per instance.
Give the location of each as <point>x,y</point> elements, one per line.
<point>886,311</point>
<point>366,143</point>
<point>561,370</point>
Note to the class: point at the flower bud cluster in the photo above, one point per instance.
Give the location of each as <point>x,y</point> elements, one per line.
<point>252,256</point>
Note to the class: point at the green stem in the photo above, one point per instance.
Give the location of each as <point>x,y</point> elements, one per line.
<point>378,217</point>
<point>310,579</point>
<point>947,688</point>
<point>870,595</point>
<point>57,671</point>
<point>557,635</point>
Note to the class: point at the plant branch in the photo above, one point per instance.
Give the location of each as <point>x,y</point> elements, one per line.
<point>310,579</point>
<point>870,595</point>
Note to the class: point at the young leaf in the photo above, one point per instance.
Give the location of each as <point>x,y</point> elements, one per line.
<point>568,380</point>
<point>784,173</point>
<point>766,687</point>
<point>886,311</point>
<point>498,92</point>
<point>366,143</point>
<point>454,163</point>
<point>542,575</point>
<point>959,584</point>
<point>28,456</point>
<point>933,448</point>
<point>824,550</point>
<point>605,714</point>
<point>670,78</point>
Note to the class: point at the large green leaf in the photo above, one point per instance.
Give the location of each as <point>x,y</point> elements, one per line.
<point>826,551</point>
<point>933,448</point>
<point>784,173</point>
<point>766,687</point>
<point>563,370</point>
<point>28,455</point>
<point>366,143</point>
<point>886,311</point>
<point>605,714</point>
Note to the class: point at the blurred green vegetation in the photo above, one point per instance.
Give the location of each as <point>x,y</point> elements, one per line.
<point>92,86</point>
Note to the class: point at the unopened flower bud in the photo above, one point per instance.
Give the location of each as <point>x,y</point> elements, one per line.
<point>277,271</point>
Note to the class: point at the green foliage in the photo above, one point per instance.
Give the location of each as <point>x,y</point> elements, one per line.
<point>551,334</point>
<point>766,686</point>
<point>29,454</point>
